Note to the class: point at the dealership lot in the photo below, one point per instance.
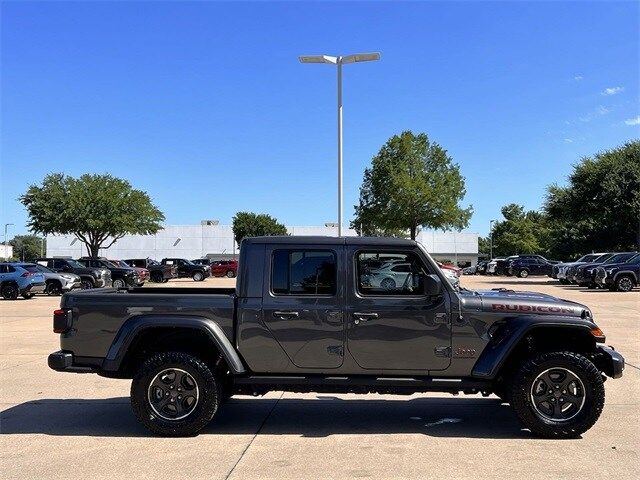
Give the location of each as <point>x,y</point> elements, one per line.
<point>59,425</point>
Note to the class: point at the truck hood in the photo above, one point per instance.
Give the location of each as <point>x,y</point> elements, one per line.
<point>516,302</point>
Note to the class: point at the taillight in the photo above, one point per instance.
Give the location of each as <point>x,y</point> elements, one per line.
<point>62,319</point>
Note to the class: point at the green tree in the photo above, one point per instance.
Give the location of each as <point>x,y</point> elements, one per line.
<point>28,247</point>
<point>520,232</point>
<point>97,209</point>
<point>599,208</point>
<point>411,183</point>
<point>484,246</point>
<point>248,224</point>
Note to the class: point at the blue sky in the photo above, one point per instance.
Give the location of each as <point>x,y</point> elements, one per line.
<point>206,107</point>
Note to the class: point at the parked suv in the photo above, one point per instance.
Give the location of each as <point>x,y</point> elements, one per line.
<point>585,274</point>
<point>158,273</point>
<point>224,268</point>
<point>120,277</point>
<point>143,273</point>
<point>559,271</point>
<point>525,266</point>
<point>621,277</point>
<point>16,281</point>
<point>89,277</point>
<point>187,269</point>
<point>55,283</point>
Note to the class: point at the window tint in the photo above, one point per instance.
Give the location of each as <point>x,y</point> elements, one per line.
<point>382,273</point>
<point>31,268</point>
<point>7,268</point>
<point>303,272</point>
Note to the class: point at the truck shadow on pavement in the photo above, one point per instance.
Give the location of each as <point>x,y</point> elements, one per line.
<point>308,417</point>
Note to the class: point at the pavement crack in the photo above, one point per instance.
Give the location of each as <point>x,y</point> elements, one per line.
<point>264,421</point>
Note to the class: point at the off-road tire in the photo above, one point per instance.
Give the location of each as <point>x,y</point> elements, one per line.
<point>10,291</point>
<point>197,276</point>
<point>624,283</point>
<point>209,399</point>
<point>591,378</point>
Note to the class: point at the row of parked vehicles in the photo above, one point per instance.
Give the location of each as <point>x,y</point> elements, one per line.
<point>616,271</point>
<point>57,275</point>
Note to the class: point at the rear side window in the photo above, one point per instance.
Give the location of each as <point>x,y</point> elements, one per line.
<point>7,269</point>
<point>31,268</point>
<point>303,272</point>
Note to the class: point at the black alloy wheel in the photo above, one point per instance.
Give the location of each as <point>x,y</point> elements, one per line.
<point>86,284</point>
<point>53,288</point>
<point>624,284</point>
<point>10,292</point>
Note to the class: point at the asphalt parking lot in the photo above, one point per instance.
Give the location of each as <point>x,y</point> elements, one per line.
<point>58,425</point>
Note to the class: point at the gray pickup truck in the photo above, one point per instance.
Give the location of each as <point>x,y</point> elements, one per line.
<point>335,315</point>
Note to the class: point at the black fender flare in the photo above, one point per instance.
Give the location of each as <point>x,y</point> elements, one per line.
<point>626,272</point>
<point>503,343</point>
<point>136,325</point>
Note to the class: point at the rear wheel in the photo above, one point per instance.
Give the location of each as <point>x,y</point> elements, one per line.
<point>175,394</point>
<point>10,291</point>
<point>558,394</point>
<point>624,283</point>
<point>86,284</point>
<point>118,283</point>
<point>524,273</point>
<point>231,274</point>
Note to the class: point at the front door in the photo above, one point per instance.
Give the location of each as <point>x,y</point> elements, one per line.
<point>302,304</point>
<point>391,325</point>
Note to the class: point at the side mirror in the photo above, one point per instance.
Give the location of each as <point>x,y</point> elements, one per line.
<point>431,285</point>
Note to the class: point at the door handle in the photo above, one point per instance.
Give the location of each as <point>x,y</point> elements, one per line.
<point>285,314</point>
<point>363,317</point>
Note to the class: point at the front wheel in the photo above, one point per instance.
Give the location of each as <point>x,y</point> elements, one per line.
<point>175,394</point>
<point>198,276</point>
<point>231,274</point>
<point>624,284</point>
<point>558,394</point>
<point>118,283</point>
<point>523,273</point>
<point>10,292</point>
<point>86,284</point>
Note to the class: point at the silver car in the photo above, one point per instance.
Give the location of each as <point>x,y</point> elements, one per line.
<point>56,283</point>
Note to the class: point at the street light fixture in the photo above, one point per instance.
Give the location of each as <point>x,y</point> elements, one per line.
<point>339,61</point>
<point>491,238</point>
<point>6,248</point>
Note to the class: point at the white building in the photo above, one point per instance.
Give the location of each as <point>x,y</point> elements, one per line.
<point>216,241</point>
<point>6,251</point>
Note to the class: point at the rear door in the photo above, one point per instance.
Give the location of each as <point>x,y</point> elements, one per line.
<point>391,325</point>
<point>302,303</point>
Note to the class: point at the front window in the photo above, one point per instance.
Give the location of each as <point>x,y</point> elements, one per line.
<point>303,272</point>
<point>384,273</point>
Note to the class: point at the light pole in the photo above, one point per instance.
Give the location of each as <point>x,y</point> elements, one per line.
<point>491,238</point>
<point>338,62</point>
<point>6,249</point>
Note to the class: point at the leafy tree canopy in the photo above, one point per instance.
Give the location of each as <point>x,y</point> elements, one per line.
<point>248,224</point>
<point>599,209</point>
<point>95,208</point>
<point>520,232</point>
<point>28,247</point>
<point>412,183</point>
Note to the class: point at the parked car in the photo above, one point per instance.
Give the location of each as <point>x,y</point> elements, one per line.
<point>501,265</point>
<point>89,277</point>
<point>482,267</point>
<point>187,269</point>
<point>143,273</point>
<point>471,270</point>
<point>158,273</point>
<point>55,283</point>
<point>621,277</point>
<point>571,271</point>
<point>529,265</point>
<point>585,274</point>
<point>16,281</point>
<point>447,266</point>
<point>120,277</point>
<point>559,271</point>
<point>224,268</point>
<point>301,319</point>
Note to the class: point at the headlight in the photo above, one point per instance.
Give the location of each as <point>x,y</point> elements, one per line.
<point>609,271</point>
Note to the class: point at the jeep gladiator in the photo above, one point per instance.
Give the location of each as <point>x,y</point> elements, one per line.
<point>327,315</point>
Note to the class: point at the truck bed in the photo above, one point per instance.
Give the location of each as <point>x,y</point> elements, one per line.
<point>100,313</point>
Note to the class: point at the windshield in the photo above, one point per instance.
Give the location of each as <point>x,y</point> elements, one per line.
<point>620,258</point>
<point>42,268</point>
<point>74,264</point>
<point>603,258</point>
<point>588,258</point>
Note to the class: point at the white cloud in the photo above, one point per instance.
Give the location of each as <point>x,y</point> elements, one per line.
<point>612,91</point>
<point>601,110</point>
<point>633,121</point>
<point>568,140</point>
<point>577,78</point>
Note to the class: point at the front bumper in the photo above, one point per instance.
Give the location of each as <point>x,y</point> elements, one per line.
<point>67,287</point>
<point>610,361</point>
<point>62,361</point>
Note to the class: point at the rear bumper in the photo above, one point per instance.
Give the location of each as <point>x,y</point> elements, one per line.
<point>610,361</point>
<point>62,361</point>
